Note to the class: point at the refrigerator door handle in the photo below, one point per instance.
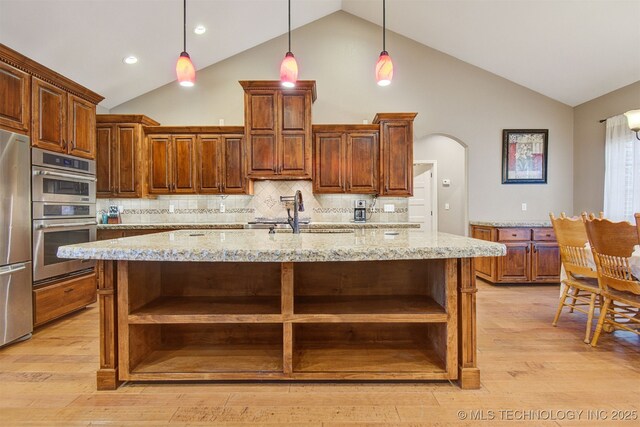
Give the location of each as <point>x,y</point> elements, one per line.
<point>10,270</point>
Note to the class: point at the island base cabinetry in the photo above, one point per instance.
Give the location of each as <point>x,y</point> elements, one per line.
<point>383,320</point>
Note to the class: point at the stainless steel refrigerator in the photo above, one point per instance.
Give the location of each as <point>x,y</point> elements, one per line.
<point>16,307</point>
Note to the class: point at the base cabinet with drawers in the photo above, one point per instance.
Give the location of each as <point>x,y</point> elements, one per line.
<point>533,255</point>
<point>57,299</point>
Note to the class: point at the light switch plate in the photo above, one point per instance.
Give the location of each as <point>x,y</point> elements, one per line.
<point>172,209</point>
<point>446,206</point>
<point>524,206</point>
<point>446,182</point>
<point>222,208</point>
<point>389,208</point>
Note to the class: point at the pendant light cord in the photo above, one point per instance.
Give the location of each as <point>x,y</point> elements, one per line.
<point>289,25</point>
<point>384,25</point>
<point>184,26</point>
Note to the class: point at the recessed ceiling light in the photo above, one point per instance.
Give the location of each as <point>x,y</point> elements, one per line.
<point>200,29</point>
<point>130,60</point>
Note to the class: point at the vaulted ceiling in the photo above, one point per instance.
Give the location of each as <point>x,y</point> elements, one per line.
<point>571,51</point>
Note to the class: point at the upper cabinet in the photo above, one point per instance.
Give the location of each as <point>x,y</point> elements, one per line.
<point>220,164</point>
<point>59,114</point>
<point>396,154</point>
<point>14,102</point>
<point>197,159</point>
<point>278,129</point>
<point>346,159</point>
<point>62,122</point>
<point>121,160</point>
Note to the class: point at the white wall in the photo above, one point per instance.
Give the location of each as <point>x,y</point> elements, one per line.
<point>450,155</point>
<point>450,96</point>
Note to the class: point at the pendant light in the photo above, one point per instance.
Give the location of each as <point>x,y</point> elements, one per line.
<point>289,66</point>
<point>384,66</point>
<point>184,67</point>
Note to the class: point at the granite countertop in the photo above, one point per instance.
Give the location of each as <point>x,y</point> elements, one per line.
<point>506,223</point>
<point>260,246</point>
<point>238,225</point>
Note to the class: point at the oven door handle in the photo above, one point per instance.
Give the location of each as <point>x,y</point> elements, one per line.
<point>10,270</point>
<point>66,175</point>
<point>67,225</point>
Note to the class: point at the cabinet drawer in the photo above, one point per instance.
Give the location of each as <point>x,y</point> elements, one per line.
<point>544,234</point>
<point>514,234</point>
<point>64,297</point>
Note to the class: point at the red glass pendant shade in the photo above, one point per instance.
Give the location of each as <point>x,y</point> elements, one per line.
<point>289,70</point>
<point>185,70</point>
<point>384,69</point>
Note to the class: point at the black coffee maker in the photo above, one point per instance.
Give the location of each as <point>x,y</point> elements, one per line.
<point>360,211</point>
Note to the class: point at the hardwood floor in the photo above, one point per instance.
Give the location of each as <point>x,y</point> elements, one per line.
<point>526,365</point>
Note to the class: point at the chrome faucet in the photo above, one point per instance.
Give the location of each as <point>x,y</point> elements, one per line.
<point>298,206</point>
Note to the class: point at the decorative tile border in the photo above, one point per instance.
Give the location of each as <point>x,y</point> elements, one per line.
<point>350,210</point>
<point>184,211</point>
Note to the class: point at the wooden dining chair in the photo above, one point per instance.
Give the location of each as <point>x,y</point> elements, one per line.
<point>581,282</point>
<point>612,243</point>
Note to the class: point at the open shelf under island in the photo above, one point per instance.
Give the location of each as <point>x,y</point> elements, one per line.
<point>249,305</point>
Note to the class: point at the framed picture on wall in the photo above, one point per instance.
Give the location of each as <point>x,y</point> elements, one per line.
<point>524,156</point>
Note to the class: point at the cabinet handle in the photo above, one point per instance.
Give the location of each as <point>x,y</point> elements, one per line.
<point>514,235</point>
<point>73,145</point>
<point>527,249</point>
<point>68,290</point>
<point>535,249</point>
<point>64,143</point>
<point>386,187</point>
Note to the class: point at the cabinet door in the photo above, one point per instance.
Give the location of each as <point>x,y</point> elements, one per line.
<point>260,114</point>
<point>397,159</point>
<point>483,265</point>
<point>329,163</point>
<point>14,102</point>
<point>183,162</point>
<point>49,117</point>
<point>545,262</point>
<point>295,142</point>
<point>362,163</point>
<point>105,164</point>
<point>126,181</point>
<point>209,163</point>
<point>515,265</point>
<point>160,178</point>
<point>82,128</point>
<point>234,181</point>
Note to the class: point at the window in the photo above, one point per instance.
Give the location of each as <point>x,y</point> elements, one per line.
<point>622,171</point>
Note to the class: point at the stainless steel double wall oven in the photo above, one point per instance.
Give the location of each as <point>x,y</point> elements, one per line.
<point>64,211</point>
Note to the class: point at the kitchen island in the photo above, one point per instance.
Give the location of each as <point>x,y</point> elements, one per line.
<point>248,305</point>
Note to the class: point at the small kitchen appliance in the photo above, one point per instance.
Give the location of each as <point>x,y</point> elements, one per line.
<point>360,211</point>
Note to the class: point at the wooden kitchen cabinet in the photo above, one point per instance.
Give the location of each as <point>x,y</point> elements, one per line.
<point>121,155</point>
<point>346,159</point>
<point>278,129</point>
<point>172,164</point>
<point>62,297</point>
<point>396,154</point>
<point>533,255</point>
<point>62,122</point>
<point>220,164</point>
<point>15,86</point>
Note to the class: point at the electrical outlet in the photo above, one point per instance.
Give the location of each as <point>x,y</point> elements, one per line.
<point>389,208</point>
<point>446,206</point>
<point>524,206</point>
<point>172,209</point>
<point>120,209</point>
<point>222,208</point>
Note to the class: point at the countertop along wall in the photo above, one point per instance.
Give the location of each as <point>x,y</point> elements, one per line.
<point>451,97</point>
<point>588,145</point>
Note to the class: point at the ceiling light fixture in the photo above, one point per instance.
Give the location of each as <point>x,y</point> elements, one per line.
<point>384,66</point>
<point>200,29</point>
<point>184,67</point>
<point>289,66</point>
<point>130,60</point>
<point>633,118</point>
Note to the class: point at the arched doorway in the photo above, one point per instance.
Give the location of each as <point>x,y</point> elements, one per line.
<point>452,187</point>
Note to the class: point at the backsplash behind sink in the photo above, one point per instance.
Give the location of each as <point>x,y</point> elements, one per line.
<point>264,203</point>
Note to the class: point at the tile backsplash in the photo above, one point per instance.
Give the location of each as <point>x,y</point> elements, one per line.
<point>264,203</point>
